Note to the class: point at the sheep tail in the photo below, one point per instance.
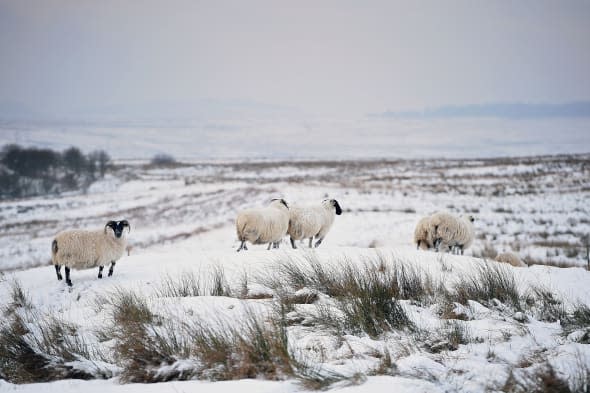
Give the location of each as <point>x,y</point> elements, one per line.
<point>54,247</point>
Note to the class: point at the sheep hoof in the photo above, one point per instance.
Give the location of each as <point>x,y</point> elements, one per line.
<point>69,282</point>
<point>59,277</point>
<point>99,275</point>
<point>110,273</point>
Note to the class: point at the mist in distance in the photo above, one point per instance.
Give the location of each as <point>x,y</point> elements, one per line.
<point>307,80</point>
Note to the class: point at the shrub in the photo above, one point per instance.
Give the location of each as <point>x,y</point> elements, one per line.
<point>163,159</point>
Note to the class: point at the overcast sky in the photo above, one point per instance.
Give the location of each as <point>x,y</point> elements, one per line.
<point>335,58</point>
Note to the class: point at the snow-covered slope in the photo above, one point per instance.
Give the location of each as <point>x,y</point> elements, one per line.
<point>364,312</point>
<point>497,339</point>
<point>536,207</point>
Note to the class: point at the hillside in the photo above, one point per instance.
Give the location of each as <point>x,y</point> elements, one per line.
<point>364,312</point>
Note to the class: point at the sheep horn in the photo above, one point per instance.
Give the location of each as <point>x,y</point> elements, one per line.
<point>125,223</point>
<point>109,224</point>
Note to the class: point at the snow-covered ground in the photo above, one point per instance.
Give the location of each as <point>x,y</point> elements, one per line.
<point>537,207</point>
<point>182,226</point>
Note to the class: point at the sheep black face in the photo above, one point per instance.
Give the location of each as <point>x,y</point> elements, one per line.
<point>118,227</point>
<point>337,207</point>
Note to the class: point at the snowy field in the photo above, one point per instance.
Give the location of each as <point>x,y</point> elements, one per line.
<point>183,294</point>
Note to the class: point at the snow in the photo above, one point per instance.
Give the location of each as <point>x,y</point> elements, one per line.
<point>182,224</point>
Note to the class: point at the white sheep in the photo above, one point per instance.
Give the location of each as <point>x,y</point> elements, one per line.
<point>424,234</point>
<point>452,233</point>
<point>83,249</point>
<point>510,258</point>
<point>263,225</point>
<point>313,221</point>
<point>466,234</point>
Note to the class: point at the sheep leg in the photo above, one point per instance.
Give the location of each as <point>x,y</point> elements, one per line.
<point>269,245</point>
<point>461,249</point>
<point>293,243</point>
<point>242,246</point>
<point>111,268</point>
<point>68,281</point>
<point>437,244</point>
<point>317,244</point>
<point>310,241</point>
<point>276,245</point>
<point>100,271</point>
<point>58,271</point>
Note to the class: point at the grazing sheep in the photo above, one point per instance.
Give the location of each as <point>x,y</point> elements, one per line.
<point>466,234</point>
<point>423,234</point>
<point>510,258</point>
<point>263,225</point>
<point>82,249</point>
<point>313,221</point>
<point>452,233</point>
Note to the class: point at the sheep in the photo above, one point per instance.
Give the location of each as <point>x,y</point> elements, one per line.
<point>313,221</point>
<point>510,258</point>
<point>466,234</point>
<point>84,249</point>
<point>451,232</point>
<point>263,225</point>
<point>423,234</point>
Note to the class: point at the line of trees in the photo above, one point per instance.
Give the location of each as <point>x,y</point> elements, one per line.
<point>26,172</point>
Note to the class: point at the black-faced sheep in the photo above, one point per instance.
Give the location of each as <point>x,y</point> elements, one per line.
<point>313,221</point>
<point>83,249</point>
<point>263,225</point>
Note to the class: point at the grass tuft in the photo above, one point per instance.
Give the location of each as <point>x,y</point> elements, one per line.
<point>187,285</point>
<point>364,299</point>
<point>42,348</point>
<point>490,281</point>
<point>545,305</point>
<point>541,379</point>
<point>220,286</point>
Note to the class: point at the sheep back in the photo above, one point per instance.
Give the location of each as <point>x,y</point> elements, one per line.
<point>445,227</point>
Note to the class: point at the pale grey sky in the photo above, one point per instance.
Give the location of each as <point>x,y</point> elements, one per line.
<point>334,58</point>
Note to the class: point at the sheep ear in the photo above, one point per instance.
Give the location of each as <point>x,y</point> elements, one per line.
<point>337,206</point>
<point>125,223</point>
<point>109,225</point>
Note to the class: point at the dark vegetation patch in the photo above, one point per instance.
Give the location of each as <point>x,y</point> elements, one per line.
<point>27,172</point>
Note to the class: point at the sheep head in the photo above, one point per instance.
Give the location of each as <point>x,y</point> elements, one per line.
<point>117,227</point>
<point>334,203</point>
